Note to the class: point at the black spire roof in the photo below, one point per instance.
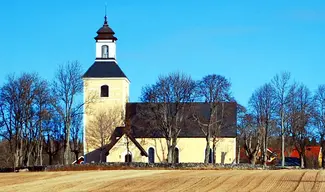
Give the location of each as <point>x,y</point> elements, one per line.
<point>104,69</point>
<point>105,32</point>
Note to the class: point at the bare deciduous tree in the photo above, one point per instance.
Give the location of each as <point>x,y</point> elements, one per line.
<point>44,112</point>
<point>281,85</point>
<point>301,109</point>
<point>67,86</point>
<point>241,112</point>
<point>101,127</point>
<point>76,136</point>
<point>10,115</point>
<point>169,100</point>
<point>252,136</point>
<point>263,105</point>
<point>53,137</point>
<point>213,89</point>
<point>22,112</point>
<point>319,119</point>
<point>5,154</point>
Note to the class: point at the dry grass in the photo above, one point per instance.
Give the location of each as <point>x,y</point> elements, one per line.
<point>166,180</point>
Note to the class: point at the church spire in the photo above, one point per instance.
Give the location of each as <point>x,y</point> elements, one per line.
<point>105,22</point>
<point>105,32</point>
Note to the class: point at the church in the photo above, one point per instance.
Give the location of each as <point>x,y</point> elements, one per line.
<point>106,88</point>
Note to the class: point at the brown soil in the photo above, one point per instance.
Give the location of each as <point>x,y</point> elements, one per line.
<point>166,180</point>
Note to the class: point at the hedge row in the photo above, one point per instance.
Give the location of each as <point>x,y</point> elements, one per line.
<point>140,166</point>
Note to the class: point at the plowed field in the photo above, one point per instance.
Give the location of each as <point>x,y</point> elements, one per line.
<point>166,180</point>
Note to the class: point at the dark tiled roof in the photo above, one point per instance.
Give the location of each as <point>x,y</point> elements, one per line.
<point>104,69</point>
<point>141,127</point>
<point>105,32</point>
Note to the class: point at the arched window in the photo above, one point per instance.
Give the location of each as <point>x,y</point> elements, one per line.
<point>176,155</point>
<point>151,153</point>
<point>128,158</point>
<point>104,91</point>
<point>104,51</point>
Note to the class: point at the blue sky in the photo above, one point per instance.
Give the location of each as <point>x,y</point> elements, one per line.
<point>246,41</point>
